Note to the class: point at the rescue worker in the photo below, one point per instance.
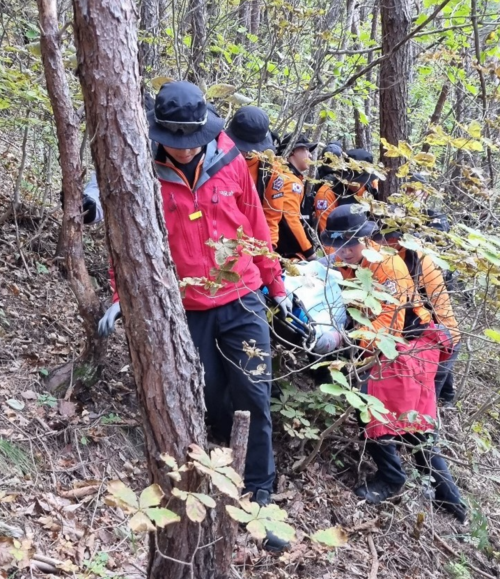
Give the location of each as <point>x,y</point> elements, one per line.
<point>429,281</point>
<point>207,193</point>
<point>294,241</point>
<point>362,182</point>
<point>249,130</point>
<point>404,385</point>
<point>330,187</point>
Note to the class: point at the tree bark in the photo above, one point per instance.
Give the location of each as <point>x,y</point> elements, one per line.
<point>150,27</point>
<point>166,366</point>
<point>88,367</point>
<point>393,87</point>
<point>198,16</point>
<point>255,17</point>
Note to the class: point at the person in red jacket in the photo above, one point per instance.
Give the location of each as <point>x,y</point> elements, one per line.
<point>208,193</point>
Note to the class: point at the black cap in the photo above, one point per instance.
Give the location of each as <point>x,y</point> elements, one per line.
<point>417,177</point>
<point>249,130</point>
<point>360,155</point>
<point>345,225</point>
<point>301,141</point>
<point>181,118</point>
<point>332,148</point>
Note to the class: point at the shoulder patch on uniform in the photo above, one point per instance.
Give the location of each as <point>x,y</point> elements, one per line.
<point>296,188</point>
<point>321,204</point>
<point>278,183</point>
<point>391,287</point>
<point>277,195</point>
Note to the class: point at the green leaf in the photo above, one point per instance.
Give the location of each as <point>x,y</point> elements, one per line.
<point>220,91</point>
<point>169,461</point>
<point>222,482</point>
<point>338,377</point>
<point>333,389</point>
<point>365,416</point>
<point>354,400</point>
<point>378,416</point>
<point>493,335</point>
<point>151,496</point>
<point>205,499</point>
<point>388,347</point>
<point>332,537</point>
<point>162,517</point>
<point>282,530</point>
<point>357,316</point>
<point>354,295</point>
<point>372,303</point>
<point>273,513</point>
<point>197,453</point>
<point>239,514</point>
<point>372,255</point>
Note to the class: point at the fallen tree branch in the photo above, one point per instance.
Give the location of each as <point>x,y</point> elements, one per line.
<point>373,551</point>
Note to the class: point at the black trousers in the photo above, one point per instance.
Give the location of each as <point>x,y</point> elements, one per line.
<point>386,456</point>
<point>219,334</point>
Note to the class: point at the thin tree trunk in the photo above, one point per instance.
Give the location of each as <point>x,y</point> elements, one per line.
<point>149,26</point>
<point>360,129</point>
<point>198,16</point>
<point>254,16</point>
<point>243,21</point>
<point>438,111</point>
<point>166,367</point>
<point>87,368</point>
<point>394,74</point>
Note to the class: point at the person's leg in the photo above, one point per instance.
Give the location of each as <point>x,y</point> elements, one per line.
<point>203,328</point>
<point>447,393</point>
<point>239,322</point>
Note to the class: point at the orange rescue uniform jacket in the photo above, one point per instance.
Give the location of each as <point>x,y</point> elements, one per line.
<point>325,202</point>
<point>270,181</point>
<point>293,238</point>
<point>394,276</point>
<point>433,286</point>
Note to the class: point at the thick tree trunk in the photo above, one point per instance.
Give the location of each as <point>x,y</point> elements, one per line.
<point>394,74</point>
<point>87,368</point>
<point>166,367</point>
<point>198,17</point>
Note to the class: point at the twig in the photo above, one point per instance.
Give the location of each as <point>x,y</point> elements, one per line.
<point>373,551</point>
<point>305,462</point>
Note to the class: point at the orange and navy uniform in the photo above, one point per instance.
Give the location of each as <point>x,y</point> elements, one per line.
<point>293,239</point>
<point>325,201</point>
<point>431,285</point>
<point>270,181</point>
<point>392,273</point>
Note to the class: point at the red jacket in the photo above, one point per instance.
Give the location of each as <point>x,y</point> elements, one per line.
<point>227,199</point>
<point>406,384</point>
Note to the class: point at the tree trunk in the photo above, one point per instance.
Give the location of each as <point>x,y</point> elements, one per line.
<point>150,27</point>
<point>254,17</point>
<point>438,111</point>
<point>243,21</point>
<point>394,73</point>
<point>87,368</point>
<point>198,16</point>
<point>166,367</point>
<point>360,129</point>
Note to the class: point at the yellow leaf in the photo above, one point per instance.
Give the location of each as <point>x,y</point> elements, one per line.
<point>140,523</point>
<point>403,170</point>
<point>467,144</point>
<point>220,91</point>
<point>123,493</point>
<point>390,150</point>
<point>159,81</point>
<point>332,537</point>
<point>151,496</point>
<point>474,130</point>
<point>405,149</point>
<point>425,159</point>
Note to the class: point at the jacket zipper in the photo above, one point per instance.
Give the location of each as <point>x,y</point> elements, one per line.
<point>215,201</point>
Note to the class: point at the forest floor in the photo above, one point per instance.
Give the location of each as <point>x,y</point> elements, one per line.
<point>56,456</point>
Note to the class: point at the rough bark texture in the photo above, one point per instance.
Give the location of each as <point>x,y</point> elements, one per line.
<point>254,16</point>
<point>228,528</point>
<point>149,26</point>
<point>87,368</point>
<point>166,367</point>
<point>198,16</point>
<point>394,74</point>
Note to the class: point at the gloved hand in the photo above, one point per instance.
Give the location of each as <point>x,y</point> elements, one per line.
<point>284,304</point>
<point>328,342</point>
<point>107,322</point>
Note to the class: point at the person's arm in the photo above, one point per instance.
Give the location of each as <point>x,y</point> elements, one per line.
<point>249,204</point>
<point>438,296</point>
<point>325,202</point>
<point>294,192</point>
<point>273,204</point>
<point>92,202</point>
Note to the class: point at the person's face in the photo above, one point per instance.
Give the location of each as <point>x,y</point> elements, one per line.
<point>300,158</point>
<point>351,254</point>
<point>182,156</point>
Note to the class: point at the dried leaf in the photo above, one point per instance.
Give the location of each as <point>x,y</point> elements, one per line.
<point>239,514</point>
<point>197,453</point>
<point>257,529</point>
<point>122,492</point>
<point>205,499</point>
<point>195,510</point>
<point>221,457</point>
<point>169,461</point>
<point>332,537</point>
<point>151,496</point>
<point>15,404</point>
<point>140,523</point>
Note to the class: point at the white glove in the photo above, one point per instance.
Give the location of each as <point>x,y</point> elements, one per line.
<point>284,304</point>
<point>107,322</point>
<point>328,342</point>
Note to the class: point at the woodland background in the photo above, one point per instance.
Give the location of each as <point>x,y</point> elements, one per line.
<point>425,76</point>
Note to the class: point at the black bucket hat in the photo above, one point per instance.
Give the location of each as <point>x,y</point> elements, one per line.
<point>302,141</point>
<point>181,118</point>
<point>346,225</point>
<point>332,148</point>
<point>417,178</point>
<point>360,155</point>
<point>249,130</point>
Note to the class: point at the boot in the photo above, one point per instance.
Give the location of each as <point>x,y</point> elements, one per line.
<point>271,542</point>
<point>377,490</point>
<point>458,510</point>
